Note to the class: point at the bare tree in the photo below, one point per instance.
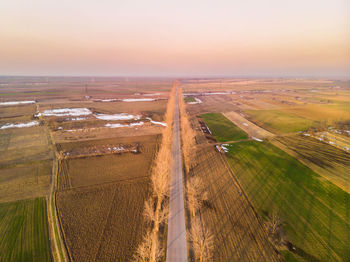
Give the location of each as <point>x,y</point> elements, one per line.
<point>187,132</point>
<point>202,241</point>
<point>195,194</point>
<point>274,227</point>
<point>149,250</point>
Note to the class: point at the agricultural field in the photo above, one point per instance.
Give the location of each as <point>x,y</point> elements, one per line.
<point>239,234</point>
<point>278,121</point>
<point>24,231</point>
<point>25,163</point>
<point>328,161</point>
<point>223,129</point>
<point>85,171</point>
<point>113,230</point>
<point>314,211</point>
<point>105,232</point>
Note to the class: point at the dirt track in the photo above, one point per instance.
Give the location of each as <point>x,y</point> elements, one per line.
<point>176,242</point>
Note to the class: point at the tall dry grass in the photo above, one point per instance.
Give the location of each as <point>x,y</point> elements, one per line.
<point>156,208</point>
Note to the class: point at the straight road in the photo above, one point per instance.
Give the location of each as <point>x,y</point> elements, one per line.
<point>176,243</point>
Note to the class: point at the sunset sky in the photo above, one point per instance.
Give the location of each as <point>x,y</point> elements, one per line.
<point>175,38</point>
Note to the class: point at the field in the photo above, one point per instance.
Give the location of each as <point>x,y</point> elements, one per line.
<point>86,171</point>
<point>113,230</point>
<point>239,234</point>
<point>328,161</point>
<point>108,231</point>
<point>25,163</point>
<point>222,128</point>
<point>314,211</point>
<point>24,231</point>
<point>326,112</point>
<point>277,121</point>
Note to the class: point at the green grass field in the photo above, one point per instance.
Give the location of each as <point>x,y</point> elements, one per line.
<point>326,160</point>
<point>278,121</point>
<point>315,212</point>
<point>189,99</point>
<point>223,129</point>
<point>24,231</point>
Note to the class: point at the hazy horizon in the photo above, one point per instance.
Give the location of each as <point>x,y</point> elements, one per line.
<point>182,39</point>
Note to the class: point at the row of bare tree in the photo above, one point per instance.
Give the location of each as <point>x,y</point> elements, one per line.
<point>201,238</point>
<point>156,207</point>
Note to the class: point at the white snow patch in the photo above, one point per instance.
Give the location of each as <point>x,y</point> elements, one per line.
<point>76,119</point>
<point>109,100</point>
<point>156,122</point>
<point>154,94</point>
<point>209,130</point>
<point>256,139</point>
<point>217,93</point>
<point>115,125</point>
<point>74,130</point>
<point>67,112</point>
<point>137,124</point>
<point>224,147</point>
<point>20,125</point>
<point>124,125</point>
<point>138,99</point>
<point>117,148</point>
<point>121,116</point>
<point>13,103</point>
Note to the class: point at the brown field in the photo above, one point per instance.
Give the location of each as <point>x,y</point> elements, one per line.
<point>21,113</point>
<point>111,231</point>
<point>103,232</point>
<point>80,172</point>
<point>25,163</point>
<point>27,180</point>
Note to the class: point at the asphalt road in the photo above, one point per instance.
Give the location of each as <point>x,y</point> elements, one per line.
<point>176,243</point>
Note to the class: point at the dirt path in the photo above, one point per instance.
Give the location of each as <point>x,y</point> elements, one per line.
<point>176,241</point>
<point>250,128</point>
<point>57,245</point>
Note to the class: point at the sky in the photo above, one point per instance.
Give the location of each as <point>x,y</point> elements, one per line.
<point>175,38</point>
